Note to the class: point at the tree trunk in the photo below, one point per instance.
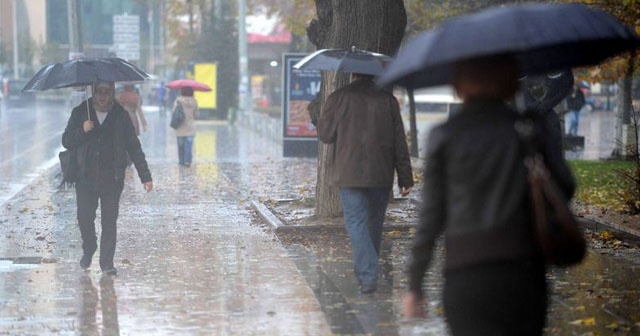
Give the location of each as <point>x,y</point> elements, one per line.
<point>374,25</point>
<point>624,106</point>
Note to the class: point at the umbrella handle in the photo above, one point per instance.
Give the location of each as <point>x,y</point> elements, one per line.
<point>86,94</point>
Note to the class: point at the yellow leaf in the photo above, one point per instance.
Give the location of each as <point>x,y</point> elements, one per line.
<point>612,326</point>
<point>589,321</point>
<point>580,308</point>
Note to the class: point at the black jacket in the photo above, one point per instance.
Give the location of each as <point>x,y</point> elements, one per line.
<point>575,100</point>
<point>476,192</point>
<point>125,142</point>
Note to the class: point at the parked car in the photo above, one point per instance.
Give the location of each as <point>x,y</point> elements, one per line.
<point>440,100</point>
<point>13,95</point>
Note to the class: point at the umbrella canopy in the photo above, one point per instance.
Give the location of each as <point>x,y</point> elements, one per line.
<point>353,60</point>
<point>542,38</point>
<point>181,83</point>
<point>84,72</point>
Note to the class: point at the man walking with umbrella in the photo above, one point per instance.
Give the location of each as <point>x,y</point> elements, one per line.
<point>103,137</point>
<point>365,125</point>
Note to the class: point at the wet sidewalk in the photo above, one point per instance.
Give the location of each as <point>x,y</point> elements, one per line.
<point>195,258</point>
<point>191,259</point>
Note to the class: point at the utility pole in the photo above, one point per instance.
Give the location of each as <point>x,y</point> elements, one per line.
<point>244,93</point>
<point>75,45</point>
<point>152,54</point>
<point>75,40</point>
<point>190,5</point>
<point>161,21</point>
<point>14,7</point>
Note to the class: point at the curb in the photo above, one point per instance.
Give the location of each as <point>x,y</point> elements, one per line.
<point>599,226</point>
<point>278,226</point>
<point>267,215</point>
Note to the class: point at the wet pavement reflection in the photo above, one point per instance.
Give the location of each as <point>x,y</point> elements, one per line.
<point>194,258</point>
<point>29,142</point>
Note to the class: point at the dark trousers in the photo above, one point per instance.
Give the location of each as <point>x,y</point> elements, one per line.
<point>88,194</point>
<point>498,299</point>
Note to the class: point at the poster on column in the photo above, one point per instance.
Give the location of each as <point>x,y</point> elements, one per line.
<point>300,88</point>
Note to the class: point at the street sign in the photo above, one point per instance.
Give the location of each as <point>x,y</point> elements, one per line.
<point>126,36</point>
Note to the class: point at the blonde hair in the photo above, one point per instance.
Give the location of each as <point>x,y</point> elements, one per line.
<point>494,77</point>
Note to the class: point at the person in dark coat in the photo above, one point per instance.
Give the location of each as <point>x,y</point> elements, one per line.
<point>543,93</point>
<point>103,139</point>
<point>365,125</point>
<point>476,194</point>
<point>575,103</point>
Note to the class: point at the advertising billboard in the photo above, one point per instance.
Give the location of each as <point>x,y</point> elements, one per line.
<point>206,73</point>
<point>300,87</point>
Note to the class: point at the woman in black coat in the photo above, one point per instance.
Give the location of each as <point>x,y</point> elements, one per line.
<point>476,195</point>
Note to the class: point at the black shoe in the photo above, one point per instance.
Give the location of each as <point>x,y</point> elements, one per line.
<point>368,289</point>
<point>110,272</point>
<point>85,262</point>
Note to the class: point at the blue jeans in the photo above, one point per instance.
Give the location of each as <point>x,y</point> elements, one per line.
<point>364,211</point>
<point>574,120</point>
<point>185,150</point>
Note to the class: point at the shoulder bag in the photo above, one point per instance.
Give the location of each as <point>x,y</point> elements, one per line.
<point>177,116</point>
<point>68,167</point>
<point>556,229</point>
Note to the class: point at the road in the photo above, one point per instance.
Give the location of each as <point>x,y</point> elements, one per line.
<point>30,141</point>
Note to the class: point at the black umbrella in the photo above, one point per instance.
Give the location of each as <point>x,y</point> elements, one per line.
<point>542,37</point>
<point>84,72</point>
<point>353,60</point>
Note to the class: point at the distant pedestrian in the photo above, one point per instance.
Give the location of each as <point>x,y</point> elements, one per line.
<point>132,102</point>
<point>103,143</point>
<point>186,133</point>
<point>543,93</point>
<point>575,103</point>
<point>476,194</point>
<point>161,98</point>
<point>365,126</point>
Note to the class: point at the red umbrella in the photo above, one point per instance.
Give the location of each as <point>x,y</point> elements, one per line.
<point>180,83</point>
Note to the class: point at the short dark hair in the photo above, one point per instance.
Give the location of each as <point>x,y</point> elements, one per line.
<point>187,91</point>
<point>493,77</point>
<point>356,75</point>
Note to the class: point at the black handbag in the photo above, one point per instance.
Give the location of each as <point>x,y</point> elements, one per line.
<point>177,116</point>
<point>557,231</point>
<point>68,167</point>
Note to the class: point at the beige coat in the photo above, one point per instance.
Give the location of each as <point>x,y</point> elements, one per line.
<point>131,102</point>
<point>190,107</point>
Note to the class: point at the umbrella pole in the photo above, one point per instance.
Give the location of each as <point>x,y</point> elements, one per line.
<point>86,96</point>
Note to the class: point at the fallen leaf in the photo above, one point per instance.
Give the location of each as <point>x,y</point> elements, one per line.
<point>589,321</point>
<point>612,326</point>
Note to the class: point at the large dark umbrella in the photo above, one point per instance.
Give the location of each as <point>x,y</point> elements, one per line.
<point>84,72</point>
<point>542,37</point>
<point>353,60</point>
